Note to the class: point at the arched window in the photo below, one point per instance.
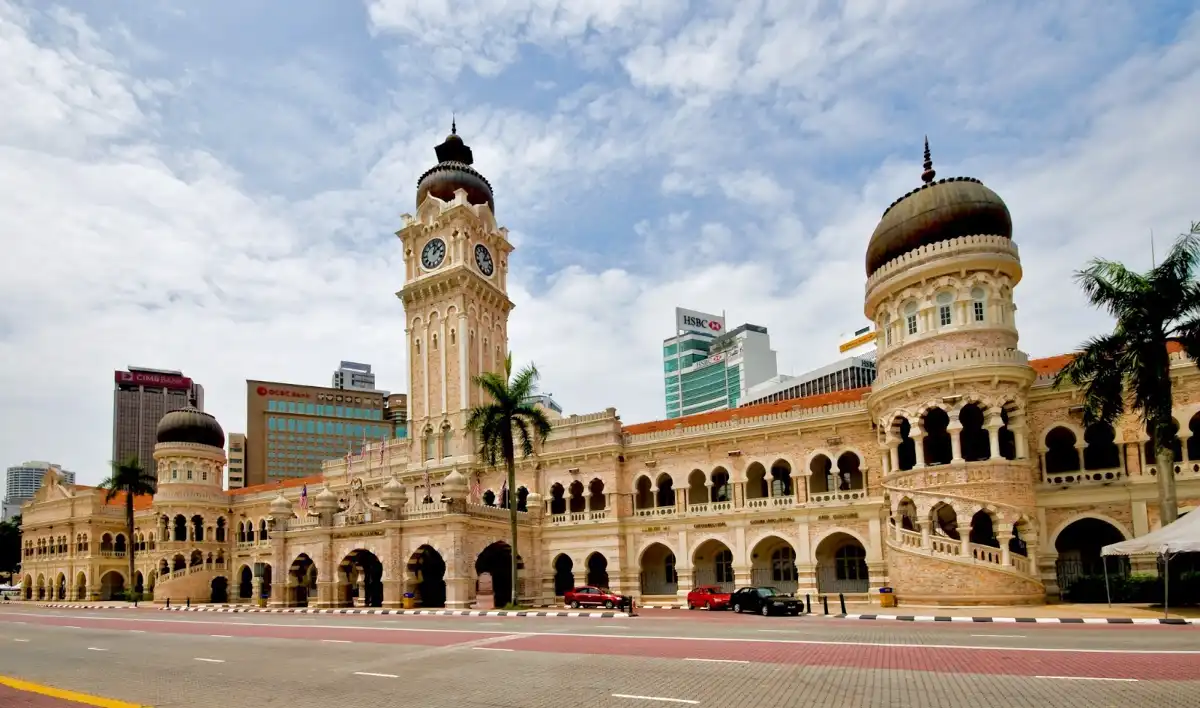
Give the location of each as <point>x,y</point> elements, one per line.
<point>724,566</point>
<point>447,442</point>
<point>430,444</point>
<point>944,309</point>
<point>910,318</point>
<point>978,301</point>
<point>783,565</point>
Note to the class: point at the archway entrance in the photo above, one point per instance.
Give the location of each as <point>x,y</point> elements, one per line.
<point>27,588</point>
<point>219,589</point>
<point>597,574</point>
<point>360,577</point>
<point>842,565</point>
<point>1079,568</point>
<point>81,586</point>
<point>112,586</point>
<point>302,581</point>
<point>658,571</point>
<point>564,574</point>
<point>496,559</point>
<point>246,583</point>
<point>60,587</point>
<point>139,582</point>
<point>427,577</point>
<point>713,563</point>
<point>773,563</point>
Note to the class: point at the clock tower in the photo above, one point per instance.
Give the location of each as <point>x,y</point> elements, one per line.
<point>455,303</point>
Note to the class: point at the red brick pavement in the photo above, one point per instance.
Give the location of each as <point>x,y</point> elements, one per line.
<point>12,698</point>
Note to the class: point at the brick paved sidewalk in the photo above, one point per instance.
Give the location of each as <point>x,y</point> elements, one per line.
<point>606,614</point>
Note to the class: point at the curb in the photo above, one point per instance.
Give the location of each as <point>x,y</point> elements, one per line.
<point>444,613</point>
<point>1025,620</point>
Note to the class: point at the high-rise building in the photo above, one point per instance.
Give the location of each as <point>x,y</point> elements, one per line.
<point>141,397</point>
<point>291,429</point>
<point>22,481</point>
<point>546,401</point>
<point>706,368</point>
<point>851,372</point>
<point>354,376</point>
<point>236,460</point>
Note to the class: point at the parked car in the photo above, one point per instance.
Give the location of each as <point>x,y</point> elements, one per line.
<point>709,597</point>
<point>766,601</point>
<point>592,596</point>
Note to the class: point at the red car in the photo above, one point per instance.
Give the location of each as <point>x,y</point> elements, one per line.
<point>710,597</point>
<point>592,596</point>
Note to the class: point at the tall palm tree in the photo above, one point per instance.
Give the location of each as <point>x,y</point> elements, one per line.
<point>128,478</point>
<point>505,423</point>
<point>1131,366</point>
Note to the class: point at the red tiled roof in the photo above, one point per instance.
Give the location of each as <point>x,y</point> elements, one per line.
<point>1053,364</point>
<point>278,484</point>
<point>758,409</point>
<point>141,502</point>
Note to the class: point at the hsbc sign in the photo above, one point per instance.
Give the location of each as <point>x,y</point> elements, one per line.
<point>693,321</point>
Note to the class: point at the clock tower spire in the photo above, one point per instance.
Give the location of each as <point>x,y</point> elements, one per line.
<point>455,303</point>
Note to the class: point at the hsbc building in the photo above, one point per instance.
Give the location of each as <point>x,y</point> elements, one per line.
<point>707,367</point>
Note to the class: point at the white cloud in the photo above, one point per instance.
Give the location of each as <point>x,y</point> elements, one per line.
<point>748,180</point>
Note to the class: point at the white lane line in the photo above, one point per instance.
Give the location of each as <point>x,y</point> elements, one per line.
<point>655,698</point>
<point>337,641</point>
<point>71,626</point>
<point>1001,636</point>
<point>644,637</point>
<point>137,631</point>
<point>211,661</point>
<point>611,626</point>
<point>96,649</point>
<point>21,640</point>
<point>1087,678</point>
<point>491,649</point>
<point>369,673</point>
<point>222,636</point>
<point>719,661</point>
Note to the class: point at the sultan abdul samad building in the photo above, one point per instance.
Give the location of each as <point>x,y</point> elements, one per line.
<point>960,476</point>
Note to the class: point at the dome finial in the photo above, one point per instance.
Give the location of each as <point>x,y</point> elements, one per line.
<point>453,124</point>
<point>929,173</point>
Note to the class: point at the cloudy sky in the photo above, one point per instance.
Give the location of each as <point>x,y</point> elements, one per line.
<point>214,187</point>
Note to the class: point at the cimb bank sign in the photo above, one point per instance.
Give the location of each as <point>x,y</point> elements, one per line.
<point>693,321</point>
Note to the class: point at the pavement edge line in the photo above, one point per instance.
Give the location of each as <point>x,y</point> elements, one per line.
<point>65,695</point>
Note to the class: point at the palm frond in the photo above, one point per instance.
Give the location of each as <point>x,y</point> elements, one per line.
<point>1177,272</point>
<point>1111,286</point>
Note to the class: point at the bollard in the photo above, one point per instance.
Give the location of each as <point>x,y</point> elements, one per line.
<point>825,603</point>
<point>168,603</point>
<point>842,600</point>
<point>807,604</point>
<point>189,602</point>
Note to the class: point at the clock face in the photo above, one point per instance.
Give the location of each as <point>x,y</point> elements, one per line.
<point>433,254</point>
<point>483,259</point>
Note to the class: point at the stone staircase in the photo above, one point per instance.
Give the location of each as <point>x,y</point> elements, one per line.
<point>194,583</point>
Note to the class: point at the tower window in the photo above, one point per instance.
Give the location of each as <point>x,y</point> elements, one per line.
<point>977,295</point>
<point>910,317</point>
<point>945,316</point>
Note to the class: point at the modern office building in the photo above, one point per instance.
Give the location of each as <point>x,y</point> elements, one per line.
<point>854,371</point>
<point>235,477</point>
<point>546,401</point>
<point>706,368</point>
<point>354,376</point>
<point>22,481</point>
<point>291,429</point>
<point>141,397</point>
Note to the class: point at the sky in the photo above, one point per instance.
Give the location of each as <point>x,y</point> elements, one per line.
<point>215,187</point>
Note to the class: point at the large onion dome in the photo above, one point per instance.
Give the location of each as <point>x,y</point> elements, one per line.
<point>189,425</point>
<point>454,172</point>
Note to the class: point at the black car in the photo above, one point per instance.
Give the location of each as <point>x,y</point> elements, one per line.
<point>765,601</point>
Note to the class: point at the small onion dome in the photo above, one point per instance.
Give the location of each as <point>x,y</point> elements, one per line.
<point>454,172</point>
<point>934,212</point>
<point>533,501</point>
<point>393,494</point>
<point>326,500</point>
<point>280,506</point>
<point>454,485</point>
<point>188,425</point>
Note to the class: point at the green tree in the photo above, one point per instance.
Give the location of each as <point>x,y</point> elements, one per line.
<point>130,479</point>
<point>1130,368</point>
<point>509,421</point>
<point>10,545</point>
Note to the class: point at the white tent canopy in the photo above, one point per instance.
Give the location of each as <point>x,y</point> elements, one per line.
<point>1182,536</point>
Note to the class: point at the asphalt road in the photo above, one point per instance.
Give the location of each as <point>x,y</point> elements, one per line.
<point>659,659</point>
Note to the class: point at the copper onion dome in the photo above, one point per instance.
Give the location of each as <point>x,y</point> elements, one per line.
<point>188,425</point>
<point>934,212</point>
<point>454,172</point>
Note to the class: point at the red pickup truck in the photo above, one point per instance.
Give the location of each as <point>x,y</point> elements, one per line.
<point>710,597</point>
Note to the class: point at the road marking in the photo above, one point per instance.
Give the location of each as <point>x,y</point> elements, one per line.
<point>491,649</point>
<point>96,649</point>
<point>65,695</point>
<point>337,641</point>
<point>21,640</point>
<point>222,636</point>
<point>655,698</point>
<point>798,642</point>
<point>71,626</point>
<point>720,661</point>
<point>137,631</point>
<point>369,673</point>
<point>1086,678</point>
<point>211,661</point>
<point>1001,636</point>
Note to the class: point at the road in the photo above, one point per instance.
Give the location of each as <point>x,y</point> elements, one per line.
<point>661,658</point>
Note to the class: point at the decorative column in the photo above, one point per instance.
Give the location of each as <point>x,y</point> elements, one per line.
<point>964,533</point>
<point>993,425</point>
<point>894,455</point>
<point>918,436</point>
<point>1019,431</point>
<point>1004,532</point>
<point>955,430</point>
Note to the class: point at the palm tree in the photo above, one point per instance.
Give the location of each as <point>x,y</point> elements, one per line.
<point>129,478</point>
<point>1131,366</point>
<point>500,425</point>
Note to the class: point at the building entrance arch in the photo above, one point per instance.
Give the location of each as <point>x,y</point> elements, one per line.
<point>302,581</point>
<point>496,559</point>
<point>360,579</point>
<point>427,577</point>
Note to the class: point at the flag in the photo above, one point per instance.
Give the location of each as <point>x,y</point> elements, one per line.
<point>504,495</point>
<point>349,449</point>
<point>476,489</point>
<point>304,499</point>
<point>428,490</point>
